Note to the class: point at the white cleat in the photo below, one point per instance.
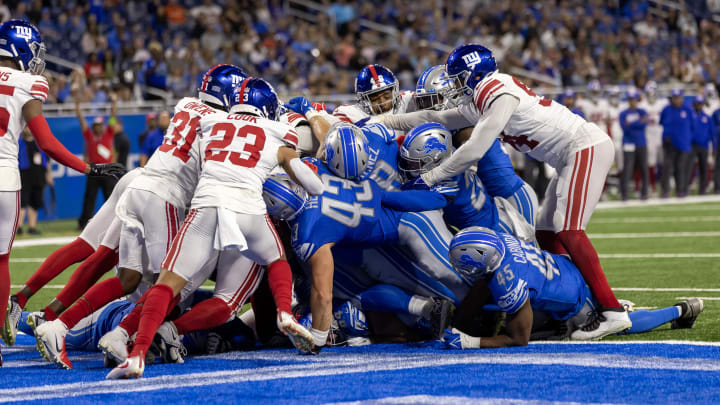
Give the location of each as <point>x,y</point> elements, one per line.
<point>50,340</point>
<point>173,350</point>
<point>300,337</point>
<point>12,317</point>
<point>604,323</point>
<point>114,345</point>
<point>132,367</point>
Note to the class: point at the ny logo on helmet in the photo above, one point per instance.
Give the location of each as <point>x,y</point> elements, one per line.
<point>24,32</point>
<point>471,60</point>
<point>235,79</point>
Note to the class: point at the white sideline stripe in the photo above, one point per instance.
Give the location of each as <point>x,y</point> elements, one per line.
<point>652,235</point>
<point>702,298</point>
<point>658,201</point>
<point>57,240</point>
<point>341,364</point>
<point>642,220</point>
<point>629,342</point>
<point>666,289</point>
<point>657,255</point>
<point>454,400</point>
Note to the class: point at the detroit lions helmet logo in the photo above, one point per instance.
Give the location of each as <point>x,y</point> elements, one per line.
<point>434,144</point>
<point>467,262</point>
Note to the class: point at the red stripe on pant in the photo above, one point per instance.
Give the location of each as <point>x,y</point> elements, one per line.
<point>575,192</point>
<point>248,285</point>
<point>580,189</point>
<point>587,187</point>
<point>278,243</point>
<point>169,261</point>
<point>570,190</point>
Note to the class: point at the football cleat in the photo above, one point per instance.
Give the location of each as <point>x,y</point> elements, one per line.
<point>300,337</point>
<point>114,345</point>
<point>170,344</point>
<point>36,319</point>
<point>690,309</point>
<point>602,324</point>
<point>628,305</point>
<point>12,317</point>
<point>132,367</point>
<point>440,316</point>
<point>50,339</point>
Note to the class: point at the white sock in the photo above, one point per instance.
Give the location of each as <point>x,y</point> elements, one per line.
<point>420,306</point>
<point>319,336</point>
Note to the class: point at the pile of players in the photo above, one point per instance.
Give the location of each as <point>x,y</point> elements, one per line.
<point>362,227</point>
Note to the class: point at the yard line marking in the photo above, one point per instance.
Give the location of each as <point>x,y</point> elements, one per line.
<point>353,363</point>
<point>628,342</point>
<point>657,255</point>
<point>702,298</point>
<point>657,201</point>
<point>28,260</point>
<point>652,235</point>
<point>642,220</point>
<point>57,240</point>
<point>454,400</point>
<point>667,289</point>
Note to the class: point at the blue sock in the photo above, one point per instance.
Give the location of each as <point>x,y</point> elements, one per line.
<point>385,298</point>
<point>643,321</point>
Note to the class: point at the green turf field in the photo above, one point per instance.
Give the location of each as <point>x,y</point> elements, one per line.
<point>686,229</point>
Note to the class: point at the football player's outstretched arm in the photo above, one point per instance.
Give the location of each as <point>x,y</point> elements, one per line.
<point>517,329</point>
<point>321,293</point>
<point>299,172</point>
<point>319,123</point>
<point>78,113</point>
<point>32,113</point>
<point>482,137</point>
<point>451,119</point>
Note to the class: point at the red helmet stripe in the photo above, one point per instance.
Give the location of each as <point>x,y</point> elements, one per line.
<point>374,74</point>
<point>207,77</point>
<point>242,90</point>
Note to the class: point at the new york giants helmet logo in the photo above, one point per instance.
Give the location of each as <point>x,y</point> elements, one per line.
<point>24,32</point>
<point>471,60</point>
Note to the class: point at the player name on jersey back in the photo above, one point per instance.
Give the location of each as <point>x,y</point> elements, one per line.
<point>172,171</point>
<point>543,128</point>
<point>238,152</point>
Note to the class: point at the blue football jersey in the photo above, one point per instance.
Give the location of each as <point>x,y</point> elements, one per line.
<point>383,160</point>
<point>347,213</point>
<point>472,205</point>
<point>497,173</point>
<point>552,283</point>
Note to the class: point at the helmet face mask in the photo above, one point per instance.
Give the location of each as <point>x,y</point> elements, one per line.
<point>424,148</point>
<point>377,89</point>
<point>381,100</point>
<point>432,89</point>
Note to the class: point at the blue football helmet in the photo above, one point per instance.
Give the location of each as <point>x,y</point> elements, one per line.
<point>476,252</point>
<point>256,96</point>
<point>374,79</point>
<point>22,42</point>
<point>218,84</point>
<point>424,148</point>
<point>283,197</point>
<point>433,89</point>
<point>346,151</point>
<point>466,66</point>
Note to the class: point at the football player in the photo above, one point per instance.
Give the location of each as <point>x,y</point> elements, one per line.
<point>152,209</point>
<point>22,92</point>
<point>497,105</point>
<point>527,282</point>
<point>228,213</point>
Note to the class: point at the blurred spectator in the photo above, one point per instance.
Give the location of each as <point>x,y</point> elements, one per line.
<point>653,105</point>
<point>633,121</point>
<point>154,138</point>
<point>121,144</point>
<point>150,125</point>
<point>98,149</point>
<point>677,120</point>
<point>32,163</point>
<point>568,98</point>
<point>175,13</point>
<point>94,68</point>
<point>155,69</point>
<point>703,134</point>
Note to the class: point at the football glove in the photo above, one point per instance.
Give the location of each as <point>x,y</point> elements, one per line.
<point>300,105</point>
<point>114,170</point>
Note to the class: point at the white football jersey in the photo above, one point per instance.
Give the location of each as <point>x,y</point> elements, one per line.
<point>540,127</point>
<point>238,152</point>
<point>307,143</point>
<point>172,171</point>
<point>350,113</point>
<point>16,89</point>
<point>596,111</point>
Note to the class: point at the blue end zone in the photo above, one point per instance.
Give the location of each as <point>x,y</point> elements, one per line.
<point>549,372</point>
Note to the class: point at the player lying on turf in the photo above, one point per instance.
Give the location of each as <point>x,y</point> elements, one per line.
<point>531,285</point>
<point>499,105</point>
<point>22,93</point>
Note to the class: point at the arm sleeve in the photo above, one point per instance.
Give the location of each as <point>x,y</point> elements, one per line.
<point>307,178</point>
<point>452,119</point>
<point>413,200</point>
<point>47,142</point>
<point>481,138</point>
